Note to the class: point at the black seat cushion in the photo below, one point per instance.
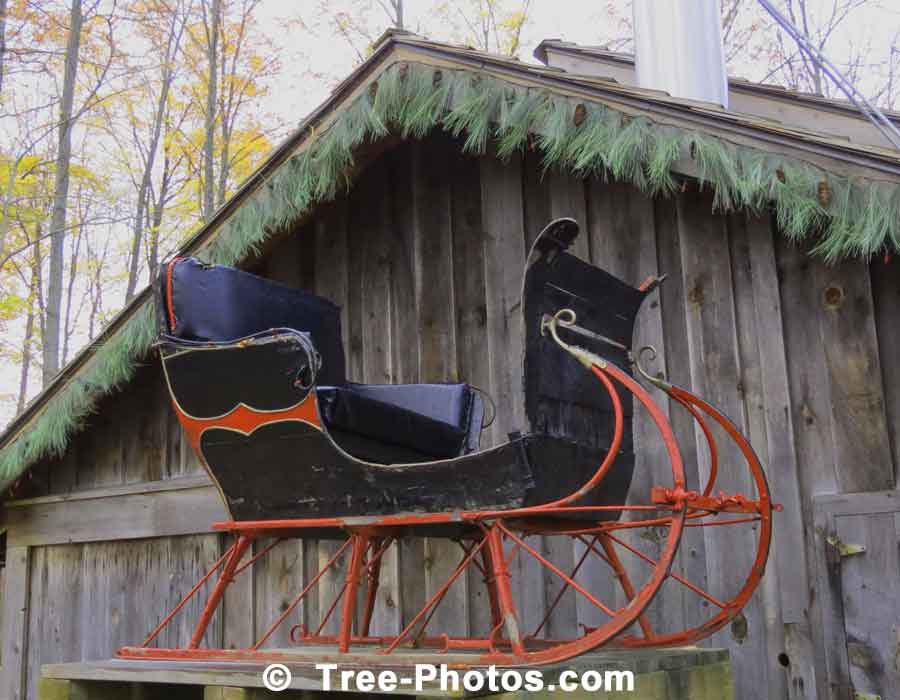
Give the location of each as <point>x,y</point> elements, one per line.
<point>399,423</point>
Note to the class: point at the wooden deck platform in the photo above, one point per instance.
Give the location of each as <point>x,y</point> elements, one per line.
<point>675,674</point>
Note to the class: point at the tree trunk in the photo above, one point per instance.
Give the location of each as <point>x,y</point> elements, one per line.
<point>212,54</point>
<point>3,4</point>
<point>173,43</point>
<point>144,189</point>
<point>26,358</point>
<point>68,324</point>
<point>156,221</point>
<point>8,196</point>
<point>60,194</point>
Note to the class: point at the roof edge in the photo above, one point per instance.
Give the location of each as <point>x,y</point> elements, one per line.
<point>777,92</point>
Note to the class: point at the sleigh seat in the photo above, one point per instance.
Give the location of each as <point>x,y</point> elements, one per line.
<point>256,372</point>
<point>214,306</point>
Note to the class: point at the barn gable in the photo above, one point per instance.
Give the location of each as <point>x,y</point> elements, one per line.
<point>420,235</point>
<point>844,192</point>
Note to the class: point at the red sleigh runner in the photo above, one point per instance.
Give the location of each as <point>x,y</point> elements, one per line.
<point>256,375</point>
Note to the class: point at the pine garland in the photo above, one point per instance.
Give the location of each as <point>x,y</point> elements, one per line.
<point>848,218</point>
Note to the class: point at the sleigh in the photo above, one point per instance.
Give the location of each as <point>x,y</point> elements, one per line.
<point>256,373</point>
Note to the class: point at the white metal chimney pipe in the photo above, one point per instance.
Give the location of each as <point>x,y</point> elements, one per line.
<point>678,48</point>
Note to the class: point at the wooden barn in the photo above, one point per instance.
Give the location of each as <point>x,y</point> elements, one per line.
<point>410,199</point>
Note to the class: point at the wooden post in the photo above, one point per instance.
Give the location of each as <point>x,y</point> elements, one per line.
<point>15,623</point>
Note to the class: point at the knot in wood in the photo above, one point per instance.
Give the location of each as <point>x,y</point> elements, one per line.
<point>580,114</point>
<point>823,193</point>
<point>834,297</point>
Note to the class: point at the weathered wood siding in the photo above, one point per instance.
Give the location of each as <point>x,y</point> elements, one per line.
<point>425,257</point>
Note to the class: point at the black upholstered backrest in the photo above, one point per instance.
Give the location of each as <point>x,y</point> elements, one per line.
<point>561,397</point>
<point>213,303</point>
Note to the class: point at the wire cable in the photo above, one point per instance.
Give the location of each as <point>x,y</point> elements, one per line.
<point>887,128</point>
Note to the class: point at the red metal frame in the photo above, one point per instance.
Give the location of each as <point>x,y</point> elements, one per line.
<point>493,541</point>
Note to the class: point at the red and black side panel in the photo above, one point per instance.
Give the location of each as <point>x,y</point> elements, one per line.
<point>293,470</point>
<point>268,372</point>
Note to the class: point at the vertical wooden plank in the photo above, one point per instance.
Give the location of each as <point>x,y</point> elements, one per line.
<point>238,606</point>
<point>100,452</point>
<point>376,237</point>
<point>504,262</point>
<point>56,617</point>
<point>567,198</point>
<point>614,247</point>
<point>691,561</point>
<point>870,586</point>
<point>471,332</point>
<point>332,259</point>
<point>404,316</point>
<point>468,273</point>
<point>16,590</point>
<point>536,196</point>
<point>433,263</point>
<point>715,373</point>
<point>858,420</point>
<point>528,572</point>
<point>333,280</point>
<point>173,458</point>
<point>144,435</point>
<point>832,664</point>
<point>754,256</point>
<point>502,217</point>
<point>353,301</point>
<point>886,297</point>
<point>754,366</point>
<point>404,562</point>
<point>370,233</point>
<point>434,276</point>
<point>291,261</point>
<point>810,410</point>
<point>790,566</point>
<point>277,578</point>
<point>64,474</point>
<point>622,232</point>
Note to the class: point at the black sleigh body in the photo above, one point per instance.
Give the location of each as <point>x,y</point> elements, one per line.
<point>256,373</point>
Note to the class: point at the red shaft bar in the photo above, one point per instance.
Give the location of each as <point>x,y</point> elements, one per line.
<point>300,596</point>
<point>436,598</point>
<point>216,596</point>
<point>489,582</point>
<point>190,594</point>
<point>504,591</point>
<point>354,572</point>
<point>372,582</point>
<point>624,580</point>
<point>559,572</point>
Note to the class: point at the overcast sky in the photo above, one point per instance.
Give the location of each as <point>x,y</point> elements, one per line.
<point>307,55</point>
